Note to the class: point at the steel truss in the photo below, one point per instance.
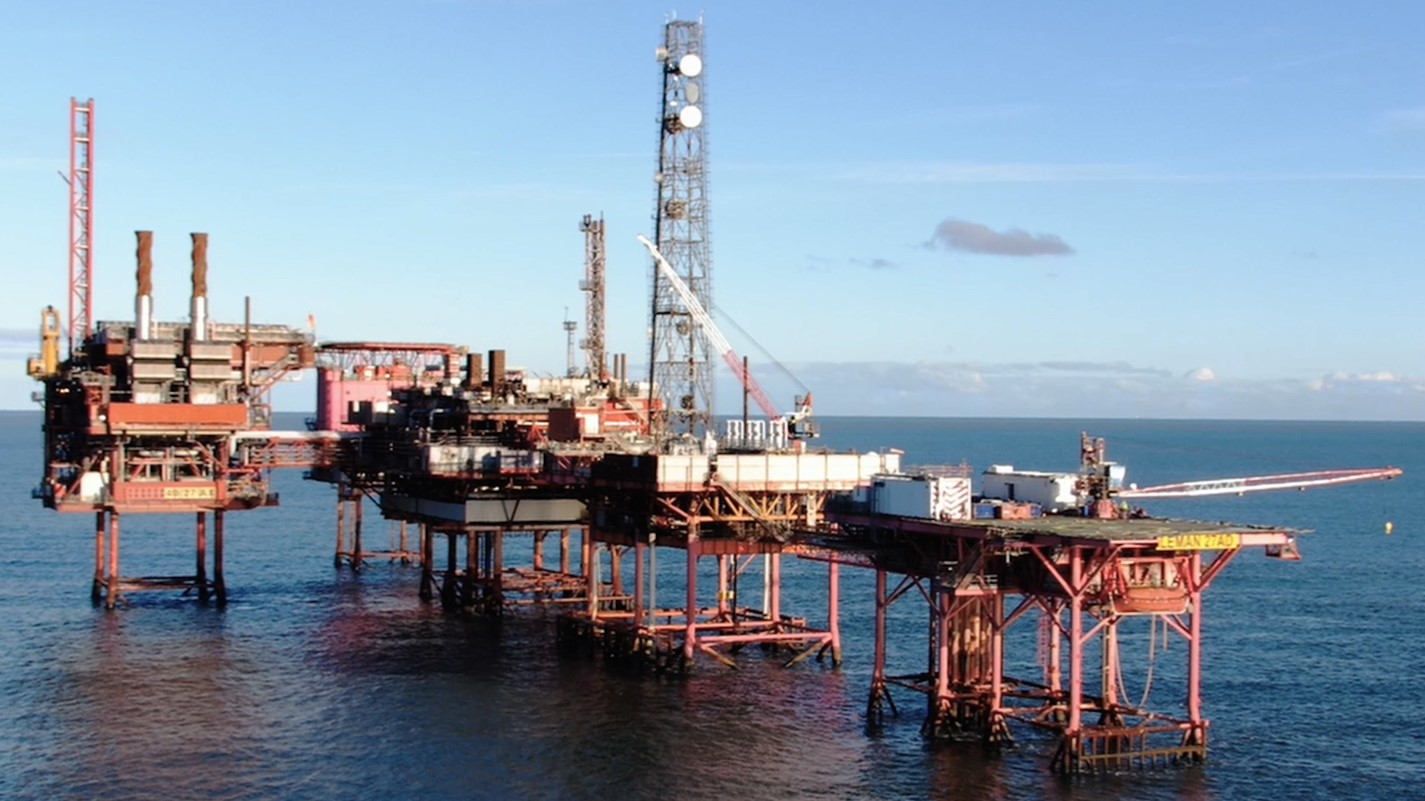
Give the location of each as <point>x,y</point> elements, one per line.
<point>1081,592</point>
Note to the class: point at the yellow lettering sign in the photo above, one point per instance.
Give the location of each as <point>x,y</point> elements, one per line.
<point>1200,542</point>
<point>207,493</point>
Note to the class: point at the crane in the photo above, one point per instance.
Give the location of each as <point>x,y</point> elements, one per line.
<point>721,345</point>
<point>1101,481</point>
<point>1239,486</point>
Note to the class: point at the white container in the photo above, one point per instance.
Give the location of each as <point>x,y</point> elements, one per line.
<point>1052,491</point>
<point>930,497</point>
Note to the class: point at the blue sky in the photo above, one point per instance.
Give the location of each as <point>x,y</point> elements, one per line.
<point>1136,209</point>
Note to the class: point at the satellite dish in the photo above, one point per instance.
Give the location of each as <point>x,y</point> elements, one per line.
<point>690,65</point>
<point>692,91</point>
<point>691,116</point>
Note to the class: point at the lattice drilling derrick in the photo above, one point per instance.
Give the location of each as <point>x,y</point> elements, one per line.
<point>593,288</point>
<point>680,354</point>
<point>81,222</point>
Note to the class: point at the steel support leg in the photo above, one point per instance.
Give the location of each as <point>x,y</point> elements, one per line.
<point>497,570</point>
<point>997,729</point>
<point>833,611</point>
<point>690,631</point>
<point>200,578</point>
<point>722,593</point>
<point>111,597</point>
<point>96,592</point>
<point>639,549</point>
<point>340,526</point>
<point>448,589</point>
<point>591,577</point>
<point>880,696</point>
<point>468,587</point>
<point>1197,734</point>
<point>358,559</point>
<point>220,586</point>
<point>776,610</point>
<point>427,591</point>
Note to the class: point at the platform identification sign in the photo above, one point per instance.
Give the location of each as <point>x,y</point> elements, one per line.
<point>1199,542</point>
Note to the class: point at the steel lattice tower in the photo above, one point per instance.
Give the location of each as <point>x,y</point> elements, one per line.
<point>81,222</point>
<point>680,357</point>
<point>593,285</point>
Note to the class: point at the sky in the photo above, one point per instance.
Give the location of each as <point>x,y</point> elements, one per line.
<point>1133,209</point>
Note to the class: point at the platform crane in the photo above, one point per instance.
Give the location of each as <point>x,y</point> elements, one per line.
<point>1100,482</point>
<point>796,421</point>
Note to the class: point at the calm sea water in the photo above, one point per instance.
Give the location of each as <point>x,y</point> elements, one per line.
<point>314,683</point>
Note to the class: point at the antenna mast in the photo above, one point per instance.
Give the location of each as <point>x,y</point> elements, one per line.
<point>593,285</point>
<point>81,222</point>
<point>569,328</point>
<point>680,356</point>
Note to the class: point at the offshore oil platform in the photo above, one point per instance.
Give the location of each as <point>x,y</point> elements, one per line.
<point>598,468</point>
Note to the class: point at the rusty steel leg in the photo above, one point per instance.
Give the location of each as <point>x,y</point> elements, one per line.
<point>616,569</point>
<point>591,577</point>
<point>427,591</point>
<point>1197,733</point>
<point>722,591</point>
<point>497,570</point>
<point>220,587</point>
<point>538,563</point>
<point>564,551</point>
<point>340,526</point>
<point>776,610</point>
<point>358,559</point>
<point>468,587</point>
<point>1066,758</point>
<point>997,730</point>
<point>96,592</point>
<point>111,597</point>
<point>405,551</point>
<point>941,720</point>
<point>690,631</point>
<point>639,549</point>
<point>833,611</point>
<point>200,579</point>
<point>448,590</point>
<point>880,696</point>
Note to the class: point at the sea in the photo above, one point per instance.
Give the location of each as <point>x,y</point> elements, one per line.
<point>319,683</point>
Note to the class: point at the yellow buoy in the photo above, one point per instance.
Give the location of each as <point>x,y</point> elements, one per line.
<point>1389,527</point>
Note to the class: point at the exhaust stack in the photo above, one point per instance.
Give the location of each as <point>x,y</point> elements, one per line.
<point>143,299</point>
<point>199,312</point>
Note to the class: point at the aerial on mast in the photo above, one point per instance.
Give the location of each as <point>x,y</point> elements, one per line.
<point>679,352</point>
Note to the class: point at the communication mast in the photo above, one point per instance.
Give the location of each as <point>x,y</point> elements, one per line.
<point>680,356</point>
<point>81,222</point>
<point>569,327</point>
<point>593,285</point>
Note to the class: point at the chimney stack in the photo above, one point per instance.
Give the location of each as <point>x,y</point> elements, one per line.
<point>199,332</point>
<point>143,299</point>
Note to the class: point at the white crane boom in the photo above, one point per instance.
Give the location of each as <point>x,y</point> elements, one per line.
<point>702,318</point>
<point>1241,486</point>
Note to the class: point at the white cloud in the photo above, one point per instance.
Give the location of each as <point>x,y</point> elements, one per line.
<point>950,172</point>
<point>1088,390</point>
<point>971,237</point>
<point>1351,378</point>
